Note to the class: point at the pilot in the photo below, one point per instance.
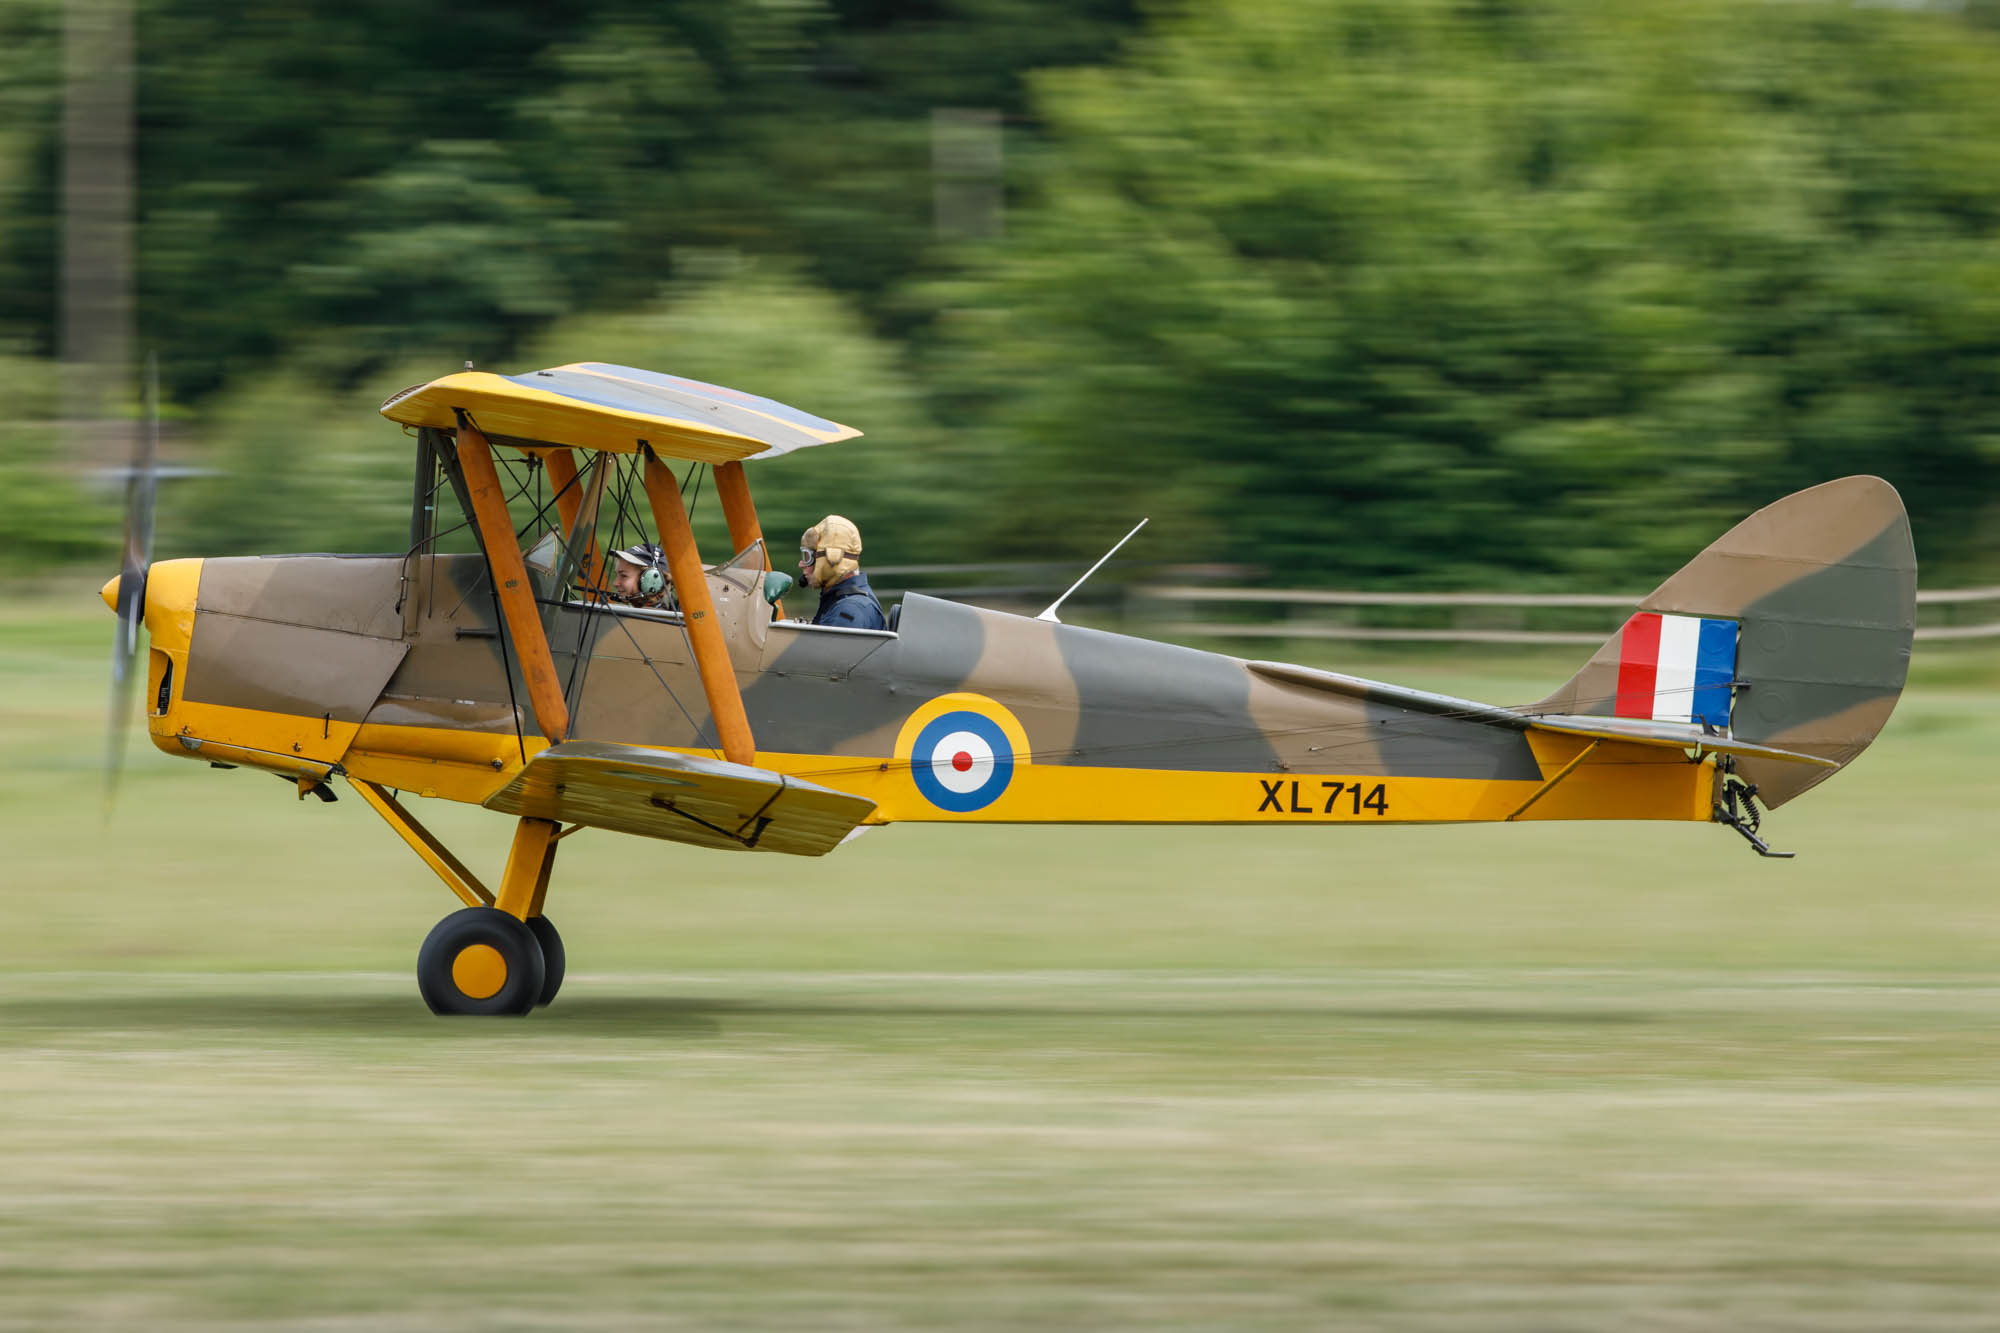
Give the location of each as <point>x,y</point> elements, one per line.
<point>828,560</point>
<point>639,576</point>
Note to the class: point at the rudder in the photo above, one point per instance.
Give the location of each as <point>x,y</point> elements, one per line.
<point>1821,588</point>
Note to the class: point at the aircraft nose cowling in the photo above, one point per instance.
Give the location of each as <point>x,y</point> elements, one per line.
<point>109,592</point>
<point>170,597</point>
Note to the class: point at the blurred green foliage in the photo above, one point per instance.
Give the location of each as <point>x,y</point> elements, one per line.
<point>47,515</point>
<point>1425,290</point>
<point>1429,291</point>
<point>766,330</point>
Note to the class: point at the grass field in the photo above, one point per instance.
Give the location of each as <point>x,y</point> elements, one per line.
<point>1540,1077</point>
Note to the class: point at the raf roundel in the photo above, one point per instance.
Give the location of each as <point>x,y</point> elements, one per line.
<point>962,761</point>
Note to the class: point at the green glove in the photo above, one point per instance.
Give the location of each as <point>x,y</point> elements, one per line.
<point>776,585</point>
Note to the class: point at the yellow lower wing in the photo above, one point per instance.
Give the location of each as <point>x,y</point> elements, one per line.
<point>682,798</point>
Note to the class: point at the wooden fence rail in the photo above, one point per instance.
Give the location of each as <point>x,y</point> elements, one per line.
<point>1179,608</point>
<point>1297,626</point>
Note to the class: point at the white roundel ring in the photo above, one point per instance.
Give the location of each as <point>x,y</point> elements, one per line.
<point>962,762</point>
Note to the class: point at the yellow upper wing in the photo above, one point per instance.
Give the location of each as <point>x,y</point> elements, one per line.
<point>592,405</point>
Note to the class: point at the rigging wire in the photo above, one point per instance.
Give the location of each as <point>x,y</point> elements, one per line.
<point>627,506</point>
<point>487,562</point>
<point>506,666</point>
<point>695,473</point>
<point>594,613</point>
<point>595,608</point>
<point>522,476</point>
<point>562,599</point>
<point>714,749</point>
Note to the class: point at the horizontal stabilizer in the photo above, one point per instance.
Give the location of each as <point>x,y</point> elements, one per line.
<point>1677,735</point>
<point>1637,731</point>
<point>682,798</point>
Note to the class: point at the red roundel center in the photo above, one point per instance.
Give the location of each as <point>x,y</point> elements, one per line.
<point>962,762</point>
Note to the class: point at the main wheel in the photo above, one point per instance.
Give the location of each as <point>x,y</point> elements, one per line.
<point>480,960</point>
<point>553,958</point>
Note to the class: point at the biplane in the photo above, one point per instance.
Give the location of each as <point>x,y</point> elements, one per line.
<point>503,677</point>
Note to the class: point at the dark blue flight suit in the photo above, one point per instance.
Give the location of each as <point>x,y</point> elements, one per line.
<point>850,603</point>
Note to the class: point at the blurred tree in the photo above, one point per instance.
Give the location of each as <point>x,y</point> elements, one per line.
<point>375,178</point>
<point>766,330</point>
<point>299,464</point>
<point>1434,289</point>
<point>47,515</point>
<point>330,192</point>
<point>390,173</point>
<point>30,137</point>
<point>838,167</point>
<point>304,463</point>
<point>1471,292</point>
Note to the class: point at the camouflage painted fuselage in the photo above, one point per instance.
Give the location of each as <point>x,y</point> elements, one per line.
<point>397,671</point>
<point>305,660</point>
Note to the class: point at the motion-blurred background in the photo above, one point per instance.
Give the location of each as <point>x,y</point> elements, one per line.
<point>1403,299</point>
<point>1431,292</point>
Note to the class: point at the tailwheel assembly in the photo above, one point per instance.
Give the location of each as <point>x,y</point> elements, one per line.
<point>1738,810</point>
<point>481,960</point>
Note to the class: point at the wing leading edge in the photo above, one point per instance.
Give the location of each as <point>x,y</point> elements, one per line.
<point>593,405</point>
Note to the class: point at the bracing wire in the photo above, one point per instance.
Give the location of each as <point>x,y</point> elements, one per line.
<point>713,747</point>
<point>625,522</point>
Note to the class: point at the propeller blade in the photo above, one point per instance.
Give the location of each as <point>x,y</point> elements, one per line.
<point>141,491</point>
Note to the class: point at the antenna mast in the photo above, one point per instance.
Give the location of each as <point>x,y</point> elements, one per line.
<point>1050,614</point>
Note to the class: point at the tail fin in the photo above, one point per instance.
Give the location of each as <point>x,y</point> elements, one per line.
<point>1792,630</point>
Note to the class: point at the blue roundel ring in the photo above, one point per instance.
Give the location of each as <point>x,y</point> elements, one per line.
<point>926,760</point>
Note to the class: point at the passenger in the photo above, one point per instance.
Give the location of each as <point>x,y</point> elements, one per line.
<point>828,560</point>
<point>639,576</point>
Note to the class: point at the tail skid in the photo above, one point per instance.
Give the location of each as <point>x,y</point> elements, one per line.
<point>1738,810</point>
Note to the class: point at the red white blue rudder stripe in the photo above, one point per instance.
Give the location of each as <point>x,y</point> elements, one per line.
<point>1676,668</point>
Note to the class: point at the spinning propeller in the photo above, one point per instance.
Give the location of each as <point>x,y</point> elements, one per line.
<point>141,489</point>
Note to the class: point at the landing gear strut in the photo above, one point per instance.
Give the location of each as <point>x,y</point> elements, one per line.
<point>500,954</point>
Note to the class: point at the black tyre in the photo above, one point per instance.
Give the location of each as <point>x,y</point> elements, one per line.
<point>480,960</point>
<point>553,959</point>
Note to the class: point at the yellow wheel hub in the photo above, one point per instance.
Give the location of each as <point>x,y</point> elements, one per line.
<point>479,971</point>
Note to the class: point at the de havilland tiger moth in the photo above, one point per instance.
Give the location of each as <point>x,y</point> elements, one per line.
<point>506,678</point>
